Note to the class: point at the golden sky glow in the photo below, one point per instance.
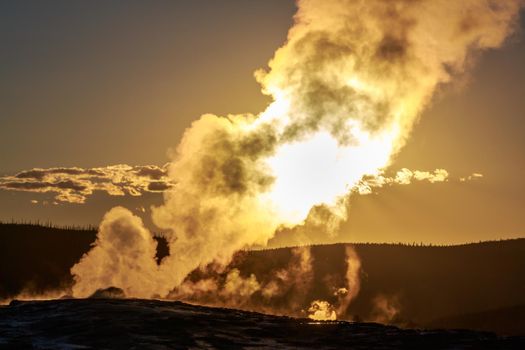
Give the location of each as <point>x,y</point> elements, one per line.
<point>131,106</point>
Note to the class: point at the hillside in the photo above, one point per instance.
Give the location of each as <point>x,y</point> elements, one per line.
<point>37,258</point>
<point>453,286</point>
<point>418,285</point>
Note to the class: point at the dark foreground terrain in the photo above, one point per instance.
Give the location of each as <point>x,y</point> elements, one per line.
<point>150,324</point>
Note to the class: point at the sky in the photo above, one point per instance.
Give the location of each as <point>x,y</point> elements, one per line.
<point>91,84</point>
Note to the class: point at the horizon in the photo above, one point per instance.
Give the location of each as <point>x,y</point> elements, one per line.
<point>94,228</point>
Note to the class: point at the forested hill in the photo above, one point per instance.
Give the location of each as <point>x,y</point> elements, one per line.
<point>414,285</point>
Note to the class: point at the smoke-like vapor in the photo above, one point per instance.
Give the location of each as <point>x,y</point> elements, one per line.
<point>385,309</point>
<point>123,256</point>
<point>322,310</point>
<point>353,268</point>
<point>347,87</point>
<point>284,291</point>
<point>297,274</point>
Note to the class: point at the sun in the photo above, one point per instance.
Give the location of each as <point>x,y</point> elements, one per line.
<point>319,170</point>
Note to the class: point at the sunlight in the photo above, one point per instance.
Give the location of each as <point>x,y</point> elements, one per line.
<point>318,170</point>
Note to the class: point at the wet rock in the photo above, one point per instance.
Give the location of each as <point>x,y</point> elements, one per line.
<point>146,324</point>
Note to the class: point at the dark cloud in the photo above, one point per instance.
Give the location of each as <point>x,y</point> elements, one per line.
<point>70,185</point>
<point>31,174</point>
<point>41,173</point>
<point>158,186</point>
<point>151,171</point>
<point>24,185</point>
<point>36,185</point>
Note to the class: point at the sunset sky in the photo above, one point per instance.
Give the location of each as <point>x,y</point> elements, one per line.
<point>91,85</point>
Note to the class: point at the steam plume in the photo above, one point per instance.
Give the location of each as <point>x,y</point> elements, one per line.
<point>322,310</point>
<point>283,292</point>
<point>347,87</point>
<point>385,309</point>
<point>123,256</point>
<point>353,268</point>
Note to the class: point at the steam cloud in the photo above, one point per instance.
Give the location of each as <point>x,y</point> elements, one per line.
<point>221,288</point>
<point>347,87</point>
<point>321,310</point>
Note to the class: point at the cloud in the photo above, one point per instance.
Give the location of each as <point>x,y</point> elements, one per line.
<point>402,177</point>
<point>473,176</point>
<point>406,177</point>
<point>74,185</point>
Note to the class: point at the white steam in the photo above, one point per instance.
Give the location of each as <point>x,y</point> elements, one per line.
<point>347,87</point>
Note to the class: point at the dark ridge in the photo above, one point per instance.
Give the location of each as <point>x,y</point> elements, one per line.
<point>38,258</point>
<point>425,283</point>
<point>430,286</point>
<point>399,244</point>
<point>48,224</point>
<point>507,320</point>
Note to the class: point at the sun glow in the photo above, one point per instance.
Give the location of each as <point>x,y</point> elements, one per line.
<point>318,170</point>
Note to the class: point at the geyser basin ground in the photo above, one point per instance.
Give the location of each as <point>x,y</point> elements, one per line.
<point>147,324</point>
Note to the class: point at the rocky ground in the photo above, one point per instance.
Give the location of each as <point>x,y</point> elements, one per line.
<point>151,324</point>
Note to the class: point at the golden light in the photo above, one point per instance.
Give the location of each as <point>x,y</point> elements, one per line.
<point>319,170</point>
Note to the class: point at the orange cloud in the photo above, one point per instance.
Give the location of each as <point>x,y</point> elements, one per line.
<point>402,177</point>
<point>74,185</point>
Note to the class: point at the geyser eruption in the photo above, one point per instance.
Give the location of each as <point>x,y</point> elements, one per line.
<point>347,87</point>
<point>123,256</point>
